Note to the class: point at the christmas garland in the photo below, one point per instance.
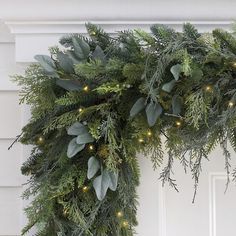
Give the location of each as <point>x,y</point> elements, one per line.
<point>100,100</point>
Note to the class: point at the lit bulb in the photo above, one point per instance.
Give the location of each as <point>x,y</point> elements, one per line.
<point>119,214</point>
<point>40,140</point>
<point>86,88</point>
<point>93,33</point>
<point>125,223</point>
<point>208,88</point>
<point>178,123</point>
<point>65,212</point>
<point>85,189</point>
<point>231,104</point>
<point>80,109</point>
<point>91,147</point>
<point>234,64</point>
<point>141,140</point>
<point>149,133</point>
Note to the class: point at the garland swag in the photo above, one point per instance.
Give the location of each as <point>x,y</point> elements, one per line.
<point>100,100</point>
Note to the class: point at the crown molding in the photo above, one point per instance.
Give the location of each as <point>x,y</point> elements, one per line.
<point>34,37</point>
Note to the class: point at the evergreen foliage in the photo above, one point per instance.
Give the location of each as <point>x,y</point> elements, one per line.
<point>101,100</point>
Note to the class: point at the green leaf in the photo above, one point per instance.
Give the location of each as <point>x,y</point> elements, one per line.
<point>169,86</point>
<point>99,54</point>
<point>46,62</point>
<point>77,128</point>
<point>84,138</point>
<point>93,167</point>
<point>113,180</point>
<point>65,62</point>
<point>138,106</point>
<point>153,111</point>
<point>176,105</point>
<point>176,70</point>
<point>101,185</point>
<point>69,85</point>
<point>74,148</point>
<point>81,48</point>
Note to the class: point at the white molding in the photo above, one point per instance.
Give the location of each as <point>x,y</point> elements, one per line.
<point>213,177</point>
<point>34,37</point>
<point>161,210</point>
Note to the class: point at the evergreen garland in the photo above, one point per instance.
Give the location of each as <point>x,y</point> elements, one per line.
<point>101,100</point>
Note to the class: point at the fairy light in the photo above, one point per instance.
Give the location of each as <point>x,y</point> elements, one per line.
<point>119,214</point>
<point>65,212</point>
<point>86,88</point>
<point>91,147</point>
<point>231,104</point>
<point>125,223</point>
<point>141,140</point>
<point>80,109</point>
<point>234,64</point>
<point>40,140</point>
<point>208,88</point>
<point>93,33</point>
<point>178,123</point>
<point>149,133</point>
<point>85,189</point>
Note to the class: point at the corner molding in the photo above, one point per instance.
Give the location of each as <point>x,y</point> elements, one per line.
<point>34,37</point>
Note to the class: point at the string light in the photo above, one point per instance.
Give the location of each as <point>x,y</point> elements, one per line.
<point>125,223</point>
<point>208,88</point>
<point>234,64</point>
<point>65,212</point>
<point>149,133</point>
<point>141,140</point>
<point>178,123</point>
<point>85,189</point>
<point>40,140</point>
<point>80,109</point>
<point>93,33</point>
<point>231,104</point>
<point>119,214</point>
<point>91,147</point>
<point>86,88</point>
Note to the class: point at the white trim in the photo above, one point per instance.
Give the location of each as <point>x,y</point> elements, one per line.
<point>213,177</point>
<point>61,27</point>
<point>161,210</point>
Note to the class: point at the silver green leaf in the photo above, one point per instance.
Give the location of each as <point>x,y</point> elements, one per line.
<point>113,180</point>
<point>84,138</point>
<point>77,128</point>
<point>101,185</point>
<point>176,70</point>
<point>176,104</point>
<point>65,62</point>
<point>81,48</point>
<point>169,86</point>
<point>93,167</point>
<point>74,148</point>
<point>138,106</point>
<point>46,62</point>
<point>99,54</point>
<point>153,111</point>
<point>69,85</point>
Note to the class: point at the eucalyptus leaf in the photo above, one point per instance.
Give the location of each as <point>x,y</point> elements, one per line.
<point>101,185</point>
<point>113,180</point>
<point>74,148</point>
<point>176,104</point>
<point>99,54</point>
<point>77,128</point>
<point>169,86</point>
<point>81,48</point>
<point>84,138</point>
<point>69,85</point>
<point>93,167</point>
<point>176,70</point>
<point>153,111</point>
<point>46,62</point>
<point>65,62</point>
<point>138,106</point>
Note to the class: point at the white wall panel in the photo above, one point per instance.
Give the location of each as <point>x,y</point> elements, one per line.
<point>10,115</point>
<point>10,211</point>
